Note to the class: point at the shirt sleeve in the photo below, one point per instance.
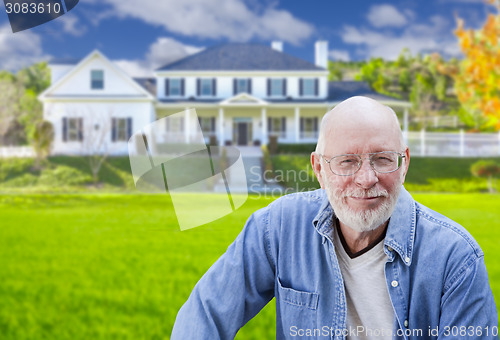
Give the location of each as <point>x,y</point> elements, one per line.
<point>468,309</point>
<point>238,285</point>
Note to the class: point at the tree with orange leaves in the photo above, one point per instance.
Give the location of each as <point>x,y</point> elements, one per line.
<point>477,79</point>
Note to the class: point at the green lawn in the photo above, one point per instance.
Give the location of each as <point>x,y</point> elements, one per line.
<point>116,266</point>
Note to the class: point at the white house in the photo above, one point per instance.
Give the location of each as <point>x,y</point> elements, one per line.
<point>242,93</point>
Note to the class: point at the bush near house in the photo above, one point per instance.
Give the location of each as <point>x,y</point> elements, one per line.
<point>64,173</point>
<point>486,169</point>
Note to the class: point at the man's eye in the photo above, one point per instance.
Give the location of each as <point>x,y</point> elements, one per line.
<point>348,161</point>
<point>383,160</point>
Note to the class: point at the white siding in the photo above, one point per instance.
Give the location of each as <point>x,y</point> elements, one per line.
<point>96,113</point>
<point>115,83</point>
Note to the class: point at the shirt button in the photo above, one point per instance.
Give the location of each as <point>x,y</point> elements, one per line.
<point>406,323</point>
<point>407,259</point>
<point>389,248</point>
<point>394,283</point>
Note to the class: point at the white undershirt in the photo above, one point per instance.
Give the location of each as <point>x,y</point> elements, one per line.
<point>369,310</point>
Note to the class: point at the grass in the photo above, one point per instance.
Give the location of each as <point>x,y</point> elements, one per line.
<point>116,266</point>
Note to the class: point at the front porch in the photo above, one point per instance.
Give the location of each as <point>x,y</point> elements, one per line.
<point>245,126</point>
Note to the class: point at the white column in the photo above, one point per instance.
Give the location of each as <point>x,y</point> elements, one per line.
<point>297,124</point>
<point>462,143</point>
<point>263,117</point>
<point>186,125</point>
<point>405,125</point>
<point>221,126</point>
<point>499,142</point>
<point>422,142</point>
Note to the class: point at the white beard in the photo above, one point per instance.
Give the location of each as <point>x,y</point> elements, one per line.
<point>362,220</point>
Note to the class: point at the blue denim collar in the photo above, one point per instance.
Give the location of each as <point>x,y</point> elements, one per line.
<point>400,233</point>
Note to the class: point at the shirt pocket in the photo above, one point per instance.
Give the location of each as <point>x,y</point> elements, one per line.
<point>297,308</point>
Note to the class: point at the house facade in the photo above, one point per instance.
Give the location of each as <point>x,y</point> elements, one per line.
<point>243,94</point>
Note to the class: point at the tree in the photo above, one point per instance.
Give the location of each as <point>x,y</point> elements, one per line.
<point>20,109</point>
<point>414,78</point>
<point>11,92</point>
<point>477,80</point>
<point>43,136</point>
<point>96,131</point>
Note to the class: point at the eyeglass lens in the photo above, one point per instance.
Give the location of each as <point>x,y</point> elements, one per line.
<point>383,162</point>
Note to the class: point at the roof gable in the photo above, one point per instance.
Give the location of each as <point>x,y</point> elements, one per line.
<point>77,81</point>
<point>240,57</point>
<point>245,99</point>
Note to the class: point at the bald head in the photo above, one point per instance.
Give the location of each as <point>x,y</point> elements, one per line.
<point>352,118</point>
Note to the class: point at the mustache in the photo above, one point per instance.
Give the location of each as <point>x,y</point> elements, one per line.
<point>361,193</point>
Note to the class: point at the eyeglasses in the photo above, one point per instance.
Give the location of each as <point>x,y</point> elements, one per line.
<point>383,162</point>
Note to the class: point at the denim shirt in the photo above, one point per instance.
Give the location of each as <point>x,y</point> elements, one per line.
<point>435,273</point>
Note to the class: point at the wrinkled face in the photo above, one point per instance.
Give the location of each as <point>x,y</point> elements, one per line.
<point>365,200</point>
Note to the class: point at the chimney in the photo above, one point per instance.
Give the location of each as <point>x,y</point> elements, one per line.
<point>277,46</point>
<point>321,53</point>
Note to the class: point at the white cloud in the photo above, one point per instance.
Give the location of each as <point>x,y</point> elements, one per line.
<point>231,19</point>
<point>385,15</point>
<point>71,25</point>
<point>19,49</point>
<point>166,50</point>
<point>135,68</point>
<point>163,51</point>
<point>339,55</point>
<point>435,36</point>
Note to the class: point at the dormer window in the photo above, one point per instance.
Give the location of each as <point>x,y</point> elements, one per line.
<point>97,79</point>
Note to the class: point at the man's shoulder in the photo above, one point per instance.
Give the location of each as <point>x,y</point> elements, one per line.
<point>444,230</point>
<point>309,200</point>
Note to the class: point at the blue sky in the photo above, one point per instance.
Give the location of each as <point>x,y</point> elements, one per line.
<point>141,35</point>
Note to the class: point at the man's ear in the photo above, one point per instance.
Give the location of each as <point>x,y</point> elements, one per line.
<point>406,163</point>
<point>316,165</point>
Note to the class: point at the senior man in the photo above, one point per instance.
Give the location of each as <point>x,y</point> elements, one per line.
<point>357,259</point>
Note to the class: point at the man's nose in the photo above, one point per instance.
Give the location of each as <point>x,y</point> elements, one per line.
<point>366,177</point>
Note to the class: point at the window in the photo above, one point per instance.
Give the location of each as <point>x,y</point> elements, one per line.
<point>309,127</point>
<point>72,129</point>
<point>97,79</point>
<point>276,126</point>
<point>175,124</point>
<point>206,87</point>
<point>207,125</point>
<point>241,85</point>
<point>276,87</point>
<point>121,129</point>
<point>174,87</point>
<point>308,87</point>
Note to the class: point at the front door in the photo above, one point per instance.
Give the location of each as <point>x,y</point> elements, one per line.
<point>242,130</point>
<point>242,133</point>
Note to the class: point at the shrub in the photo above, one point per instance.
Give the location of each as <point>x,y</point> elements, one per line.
<point>296,148</point>
<point>24,180</point>
<point>486,169</point>
<point>62,176</point>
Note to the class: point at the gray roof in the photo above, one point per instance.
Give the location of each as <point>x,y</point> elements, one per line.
<point>149,84</point>
<point>341,90</point>
<point>240,57</point>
